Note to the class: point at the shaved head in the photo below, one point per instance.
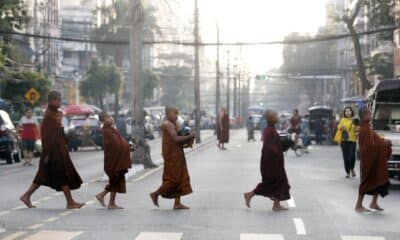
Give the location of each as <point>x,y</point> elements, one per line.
<point>171,113</point>
<point>169,109</point>
<point>53,95</point>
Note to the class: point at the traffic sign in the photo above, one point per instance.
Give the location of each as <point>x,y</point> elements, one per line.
<point>32,96</point>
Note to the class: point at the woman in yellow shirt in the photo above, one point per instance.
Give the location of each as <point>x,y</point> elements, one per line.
<point>347,139</point>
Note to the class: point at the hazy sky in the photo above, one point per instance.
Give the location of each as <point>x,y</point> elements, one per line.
<point>260,20</point>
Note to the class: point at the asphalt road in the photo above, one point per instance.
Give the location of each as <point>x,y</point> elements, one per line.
<point>321,207</point>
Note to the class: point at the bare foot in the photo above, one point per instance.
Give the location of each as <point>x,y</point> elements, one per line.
<point>279,208</point>
<point>154,198</point>
<point>376,207</point>
<point>100,198</point>
<point>75,205</point>
<point>361,209</point>
<point>114,207</point>
<point>27,202</point>
<point>180,207</point>
<point>247,199</point>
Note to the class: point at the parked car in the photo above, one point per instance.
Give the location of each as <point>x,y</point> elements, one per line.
<point>9,140</point>
<point>76,136</point>
<point>148,128</point>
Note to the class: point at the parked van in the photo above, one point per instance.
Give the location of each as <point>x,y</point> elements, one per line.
<point>384,103</point>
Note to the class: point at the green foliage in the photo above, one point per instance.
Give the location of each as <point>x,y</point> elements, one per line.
<point>18,83</point>
<point>381,13</point>
<point>317,58</point>
<point>117,27</point>
<point>177,86</point>
<point>380,64</point>
<point>150,81</point>
<point>13,16</point>
<point>100,79</point>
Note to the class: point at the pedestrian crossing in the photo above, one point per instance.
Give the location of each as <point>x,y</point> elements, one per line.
<point>68,235</point>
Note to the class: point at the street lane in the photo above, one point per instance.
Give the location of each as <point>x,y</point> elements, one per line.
<point>321,207</point>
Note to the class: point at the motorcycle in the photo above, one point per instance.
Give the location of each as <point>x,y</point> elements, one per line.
<point>293,142</point>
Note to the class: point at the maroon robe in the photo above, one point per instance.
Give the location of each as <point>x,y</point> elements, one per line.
<point>59,170</point>
<point>274,183</point>
<point>223,135</point>
<point>117,159</point>
<point>175,180</point>
<point>374,154</point>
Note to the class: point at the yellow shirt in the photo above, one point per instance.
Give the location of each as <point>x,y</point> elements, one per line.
<point>348,124</point>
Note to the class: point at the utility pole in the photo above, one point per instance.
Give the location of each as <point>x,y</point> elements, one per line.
<point>142,153</point>
<point>197,72</point>
<point>228,86</point>
<point>217,95</point>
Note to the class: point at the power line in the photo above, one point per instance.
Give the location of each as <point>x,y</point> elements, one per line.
<point>190,43</point>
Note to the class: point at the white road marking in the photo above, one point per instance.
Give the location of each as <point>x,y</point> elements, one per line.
<point>254,236</point>
<point>300,227</point>
<point>361,238</point>
<point>35,226</point>
<point>35,202</point>
<point>51,219</point>
<point>52,235</point>
<point>46,198</point>
<point>291,203</point>
<point>2,230</point>
<point>4,213</point>
<point>159,236</point>
<point>148,174</point>
<point>57,194</point>
<point>14,236</point>
<point>19,207</point>
<point>66,213</point>
<point>90,202</point>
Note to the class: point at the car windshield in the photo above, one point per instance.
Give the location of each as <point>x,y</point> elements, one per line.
<point>386,115</point>
<point>80,122</point>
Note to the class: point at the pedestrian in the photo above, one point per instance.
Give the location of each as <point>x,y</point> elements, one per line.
<point>117,161</point>
<point>250,129</point>
<point>223,128</point>
<point>29,128</point>
<point>175,180</point>
<point>274,183</point>
<point>346,137</point>
<point>87,140</point>
<point>56,169</point>
<point>319,130</point>
<point>374,152</point>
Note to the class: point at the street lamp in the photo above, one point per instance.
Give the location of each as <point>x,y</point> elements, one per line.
<point>77,78</point>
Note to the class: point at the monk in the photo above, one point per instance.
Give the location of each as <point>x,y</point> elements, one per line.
<point>374,152</point>
<point>223,128</point>
<point>175,180</point>
<point>56,169</point>
<point>117,161</point>
<point>274,183</point>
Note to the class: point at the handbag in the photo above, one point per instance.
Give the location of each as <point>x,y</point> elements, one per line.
<point>345,134</point>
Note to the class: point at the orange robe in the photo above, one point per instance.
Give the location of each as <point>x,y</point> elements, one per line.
<point>223,135</point>
<point>59,170</point>
<point>374,154</point>
<point>117,159</point>
<point>175,180</point>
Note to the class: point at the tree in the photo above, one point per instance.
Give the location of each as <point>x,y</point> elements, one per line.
<point>114,85</point>
<point>380,64</point>
<point>100,79</point>
<point>13,16</point>
<point>380,13</point>
<point>18,83</point>
<point>150,81</point>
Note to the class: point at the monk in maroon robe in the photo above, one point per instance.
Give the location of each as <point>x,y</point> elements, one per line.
<point>374,152</point>
<point>223,128</point>
<point>56,169</point>
<point>175,180</point>
<point>117,161</point>
<point>274,184</point>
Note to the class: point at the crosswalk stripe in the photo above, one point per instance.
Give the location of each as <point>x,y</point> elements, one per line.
<point>4,213</point>
<point>51,219</point>
<point>66,213</point>
<point>14,236</point>
<point>291,203</point>
<point>362,238</point>
<point>300,227</point>
<point>159,236</point>
<point>35,226</point>
<point>52,235</point>
<point>255,236</point>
